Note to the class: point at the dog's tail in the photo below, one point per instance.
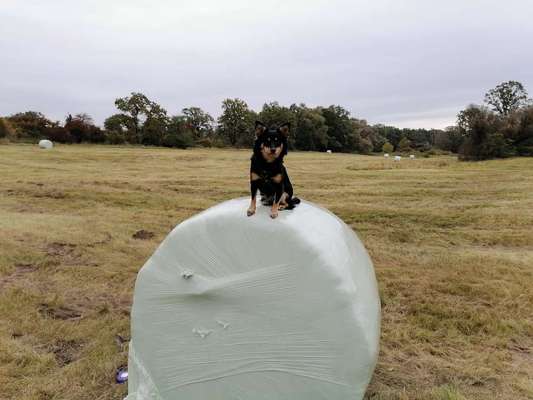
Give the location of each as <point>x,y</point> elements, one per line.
<point>293,202</point>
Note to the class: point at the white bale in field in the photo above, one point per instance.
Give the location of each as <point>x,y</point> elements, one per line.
<point>386,155</point>
<point>45,144</point>
<point>412,156</point>
<point>397,158</point>
<point>236,307</point>
<point>328,151</point>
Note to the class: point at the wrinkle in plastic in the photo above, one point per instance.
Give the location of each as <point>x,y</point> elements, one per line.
<point>237,307</point>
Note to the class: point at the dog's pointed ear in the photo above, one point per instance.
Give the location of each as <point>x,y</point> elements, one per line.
<point>260,128</point>
<point>285,129</point>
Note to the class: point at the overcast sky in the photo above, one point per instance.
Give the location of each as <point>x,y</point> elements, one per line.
<point>410,63</point>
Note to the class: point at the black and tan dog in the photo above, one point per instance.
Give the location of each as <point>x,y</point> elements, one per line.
<point>267,172</point>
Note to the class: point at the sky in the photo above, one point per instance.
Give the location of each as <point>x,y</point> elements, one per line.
<point>408,63</point>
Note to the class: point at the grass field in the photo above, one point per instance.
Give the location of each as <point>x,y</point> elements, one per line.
<point>452,245</point>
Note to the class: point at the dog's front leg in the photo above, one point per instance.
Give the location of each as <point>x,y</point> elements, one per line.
<point>278,195</point>
<point>283,202</point>
<point>254,185</point>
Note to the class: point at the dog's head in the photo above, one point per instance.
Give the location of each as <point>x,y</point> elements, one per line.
<point>271,142</point>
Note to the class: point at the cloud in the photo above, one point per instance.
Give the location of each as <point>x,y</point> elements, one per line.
<point>384,61</point>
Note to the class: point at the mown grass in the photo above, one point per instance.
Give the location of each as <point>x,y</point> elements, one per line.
<point>452,244</point>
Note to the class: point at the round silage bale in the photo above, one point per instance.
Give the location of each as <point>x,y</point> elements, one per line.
<point>46,144</point>
<point>237,307</point>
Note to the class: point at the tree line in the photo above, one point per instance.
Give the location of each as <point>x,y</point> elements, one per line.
<point>505,129</point>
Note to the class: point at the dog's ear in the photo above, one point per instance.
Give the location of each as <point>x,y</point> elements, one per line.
<point>285,129</point>
<point>260,128</point>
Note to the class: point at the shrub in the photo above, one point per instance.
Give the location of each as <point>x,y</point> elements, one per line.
<point>57,134</point>
<point>115,137</point>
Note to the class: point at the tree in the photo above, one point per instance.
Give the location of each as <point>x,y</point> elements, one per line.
<point>6,130</point>
<point>58,133</point>
<point>341,130</point>
<point>376,139</point>
<point>311,132</point>
<point>518,130</point>
<point>235,122</point>
<point>483,136</point>
<point>30,124</point>
<point>365,136</point>
<point>82,129</point>
<point>390,133</point>
<point>116,128</point>
<point>117,123</point>
<point>404,145</point>
<point>507,97</point>
<point>154,130</point>
<point>419,139</point>
<point>178,133</point>
<point>387,148</point>
<point>138,108</point>
<point>524,140</point>
<point>199,121</point>
<point>155,126</point>
<point>450,139</point>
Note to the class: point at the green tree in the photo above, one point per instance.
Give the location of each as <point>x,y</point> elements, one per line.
<point>419,139</point>
<point>154,130</point>
<point>81,128</point>
<point>404,145</point>
<point>234,124</point>
<point>523,142</point>
<point>450,139</point>
<point>387,148</point>
<point>390,133</point>
<point>117,123</point>
<point>483,134</point>
<point>273,114</point>
<point>507,97</point>
<point>6,130</point>
<point>342,135</point>
<point>310,132</point>
<point>178,133</point>
<point>199,121</point>
<point>134,107</point>
<point>518,130</point>
<point>138,108</point>
<point>30,124</point>
<point>365,136</point>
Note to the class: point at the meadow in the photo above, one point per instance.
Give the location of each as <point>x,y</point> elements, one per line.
<point>451,242</point>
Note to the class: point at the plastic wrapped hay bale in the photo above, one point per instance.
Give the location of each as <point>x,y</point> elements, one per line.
<point>237,307</point>
<point>45,144</point>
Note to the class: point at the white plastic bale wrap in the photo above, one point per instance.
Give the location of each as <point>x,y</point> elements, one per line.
<point>251,308</point>
<point>45,144</point>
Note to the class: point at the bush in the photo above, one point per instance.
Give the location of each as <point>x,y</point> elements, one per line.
<point>180,140</point>
<point>115,137</point>
<point>58,134</point>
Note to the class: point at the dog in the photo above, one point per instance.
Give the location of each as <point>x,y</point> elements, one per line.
<point>267,172</point>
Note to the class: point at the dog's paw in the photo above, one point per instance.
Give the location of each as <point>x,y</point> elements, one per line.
<point>273,214</point>
<point>250,211</point>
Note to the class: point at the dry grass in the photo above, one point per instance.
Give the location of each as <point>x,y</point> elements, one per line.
<point>452,244</point>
